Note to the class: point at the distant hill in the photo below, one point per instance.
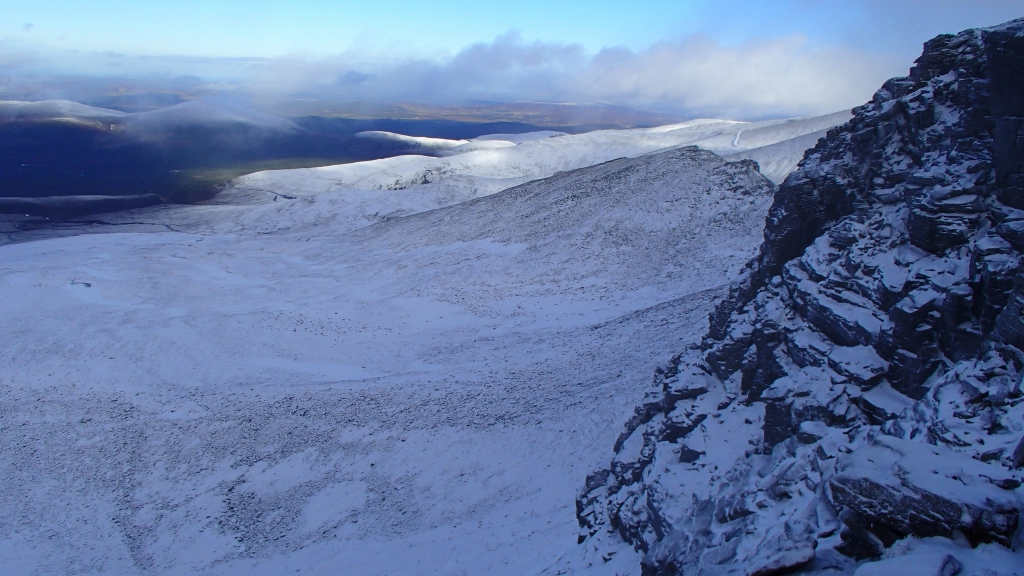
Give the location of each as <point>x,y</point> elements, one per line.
<point>71,159</point>
<point>565,116</point>
<point>181,153</point>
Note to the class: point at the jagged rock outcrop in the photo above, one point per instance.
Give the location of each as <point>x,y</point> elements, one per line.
<point>861,384</point>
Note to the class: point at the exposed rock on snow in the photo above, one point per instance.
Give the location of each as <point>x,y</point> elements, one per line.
<point>860,387</point>
<point>901,488</point>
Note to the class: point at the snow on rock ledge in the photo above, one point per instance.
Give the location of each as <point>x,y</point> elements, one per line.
<point>860,387</point>
<point>902,488</point>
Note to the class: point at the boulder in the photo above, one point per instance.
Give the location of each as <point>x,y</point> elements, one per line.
<point>934,564</point>
<point>860,364</point>
<point>922,490</point>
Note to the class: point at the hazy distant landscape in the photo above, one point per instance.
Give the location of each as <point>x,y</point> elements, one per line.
<point>184,153</point>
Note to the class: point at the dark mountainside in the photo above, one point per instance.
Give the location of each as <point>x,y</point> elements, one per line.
<point>861,384</point>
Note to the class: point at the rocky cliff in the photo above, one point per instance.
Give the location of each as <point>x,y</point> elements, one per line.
<point>860,387</point>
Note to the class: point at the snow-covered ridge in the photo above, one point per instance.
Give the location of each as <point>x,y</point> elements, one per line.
<point>520,138</point>
<point>470,171</point>
<point>448,147</point>
<point>473,167</point>
<point>411,141</point>
<point>57,111</point>
<point>355,195</point>
<point>191,113</point>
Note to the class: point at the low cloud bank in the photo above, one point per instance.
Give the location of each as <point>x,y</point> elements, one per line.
<point>691,77</point>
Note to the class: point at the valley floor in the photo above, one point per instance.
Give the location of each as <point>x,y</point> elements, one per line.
<point>408,398</point>
<point>177,402</point>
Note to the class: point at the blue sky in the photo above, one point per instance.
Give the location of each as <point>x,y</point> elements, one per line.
<point>741,58</point>
<point>270,28</point>
<point>273,28</point>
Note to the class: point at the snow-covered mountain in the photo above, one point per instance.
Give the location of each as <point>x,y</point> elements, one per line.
<point>721,136</point>
<point>65,110</point>
<point>198,389</point>
<point>433,145</point>
<point>857,397</point>
<point>68,155</point>
<point>193,113</point>
<point>350,196</point>
<point>469,170</point>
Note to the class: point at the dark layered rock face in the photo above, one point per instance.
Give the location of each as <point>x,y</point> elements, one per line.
<point>862,381</point>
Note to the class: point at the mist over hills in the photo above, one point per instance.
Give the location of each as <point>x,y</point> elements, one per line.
<point>177,154</point>
<point>60,159</point>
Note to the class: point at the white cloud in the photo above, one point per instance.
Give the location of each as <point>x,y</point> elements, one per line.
<point>776,77</point>
<point>694,76</point>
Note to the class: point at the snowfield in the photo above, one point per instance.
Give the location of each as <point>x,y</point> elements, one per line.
<point>375,368</point>
<point>480,171</point>
<point>351,196</point>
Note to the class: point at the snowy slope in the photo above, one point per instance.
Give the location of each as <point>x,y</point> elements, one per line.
<point>373,368</point>
<point>192,113</point>
<point>57,110</point>
<point>403,398</point>
<point>748,136</point>
<point>776,161</point>
<point>479,172</point>
<point>421,142</point>
<point>448,147</point>
<point>520,138</point>
<point>351,196</point>
<point>45,109</point>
